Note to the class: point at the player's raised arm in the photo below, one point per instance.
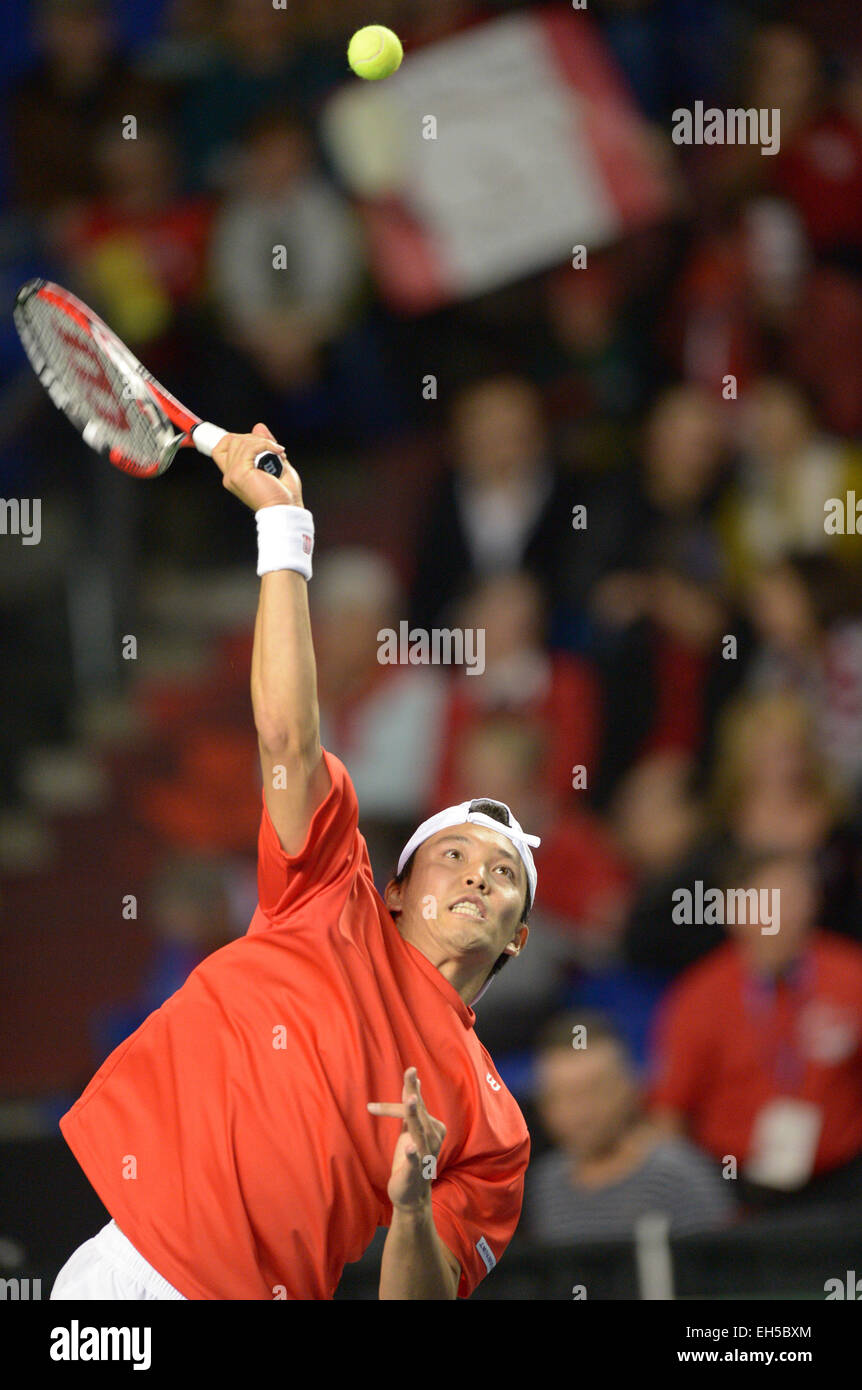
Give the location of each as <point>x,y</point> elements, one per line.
<point>283,670</point>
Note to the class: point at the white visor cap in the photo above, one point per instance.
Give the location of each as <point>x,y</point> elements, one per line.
<point>464,815</point>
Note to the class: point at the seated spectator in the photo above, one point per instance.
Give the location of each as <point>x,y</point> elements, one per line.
<point>758,1052</point>
<point>184,47</point>
<point>806,616</point>
<point>287,276</point>
<point>783,73</point>
<point>788,471</point>
<point>214,765</point>
<point>282,315</point>
<point>261,62</point>
<point>587,354</point>
<point>658,620</point>
<point>663,673</point>
<point>770,788</point>
<point>830,312</point>
<point>81,82</point>
<point>504,504</point>
<point>189,910</point>
<point>678,486</point>
<point>739,292</point>
<point>666,841</point>
<point>819,168</point>
<point>552,691</point>
<point>137,251</point>
<point>384,721</point>
<point>609,1165</point>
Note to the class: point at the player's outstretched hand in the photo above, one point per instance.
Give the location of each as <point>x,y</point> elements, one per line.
<point>414,1163</point>
<point>235,456</point>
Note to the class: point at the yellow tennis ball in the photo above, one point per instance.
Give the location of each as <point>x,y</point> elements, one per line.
<point>374,52</point>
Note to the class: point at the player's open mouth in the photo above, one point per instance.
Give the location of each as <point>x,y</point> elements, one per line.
<point>468,907</point>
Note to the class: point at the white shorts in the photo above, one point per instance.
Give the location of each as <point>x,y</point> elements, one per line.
<point>109,1267</point>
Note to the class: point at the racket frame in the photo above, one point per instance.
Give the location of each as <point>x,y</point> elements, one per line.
<point>146,391</point>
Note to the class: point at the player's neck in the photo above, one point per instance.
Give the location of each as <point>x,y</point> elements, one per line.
<point>466,974</point>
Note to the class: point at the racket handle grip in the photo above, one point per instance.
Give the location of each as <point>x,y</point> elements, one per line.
<point>205,437</point>
<point>269,463</point>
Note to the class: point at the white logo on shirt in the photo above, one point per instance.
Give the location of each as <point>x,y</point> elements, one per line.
<point>495,1085</point>
<point>487,1253</point>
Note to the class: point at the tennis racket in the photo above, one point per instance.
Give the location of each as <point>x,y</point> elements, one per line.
<point>112,400</point>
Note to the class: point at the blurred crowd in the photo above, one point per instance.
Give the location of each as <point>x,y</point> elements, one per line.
<point>672,691</point>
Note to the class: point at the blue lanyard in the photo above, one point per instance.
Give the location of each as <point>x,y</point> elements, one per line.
<point>761,999</point>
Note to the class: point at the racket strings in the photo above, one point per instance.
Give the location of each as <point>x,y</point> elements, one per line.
<point>107,402</point>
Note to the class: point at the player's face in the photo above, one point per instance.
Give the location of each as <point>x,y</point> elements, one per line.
<point>468,885</point>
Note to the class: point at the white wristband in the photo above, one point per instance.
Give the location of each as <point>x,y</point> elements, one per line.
<point>285,539</point>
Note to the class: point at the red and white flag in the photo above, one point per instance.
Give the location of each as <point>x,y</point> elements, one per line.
<point>488,156</point>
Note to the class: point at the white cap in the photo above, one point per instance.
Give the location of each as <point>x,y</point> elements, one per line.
<point>463,815</point>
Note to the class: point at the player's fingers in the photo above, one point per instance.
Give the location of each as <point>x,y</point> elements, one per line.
<point>412,1089</point>
<point>415,1126</point>
<point>411,1096</point>
<point>416,1100</point>
<point>383,1107</point>
<point>261,432</point>
<point>265,433</point>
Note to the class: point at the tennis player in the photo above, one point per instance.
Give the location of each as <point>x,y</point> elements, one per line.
<point>319,1077</point>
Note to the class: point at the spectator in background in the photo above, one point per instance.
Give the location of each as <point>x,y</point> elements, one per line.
<point>80,82</point>
<point>138,250</point>
<point>789,469</point>
<point>384,721</point>
<point>782,71</point>
<point>658,619</point>
<point>609,1165</point>
<point>759,1046</point>
<point>739,296</point>
<point>262,63</point>
<point>769,791</point>
<point>672,499</point>
<point>661,827</point>
<point>504,505</point>
<point>190,910</point>
<point>185,47</point>
<point>663,672</point>
<point>830,312</point>
<point>213,766</point>
<point>287,275</point>
<point>785,231</point>
<point>553,692</point>
<point>819,165</point>
<point>588,355</point>
<point>806,616</point>
<point>817,174</point>
<point>770,788</point>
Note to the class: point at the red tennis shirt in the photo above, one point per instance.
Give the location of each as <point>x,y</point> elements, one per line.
<point>229,1137</point>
